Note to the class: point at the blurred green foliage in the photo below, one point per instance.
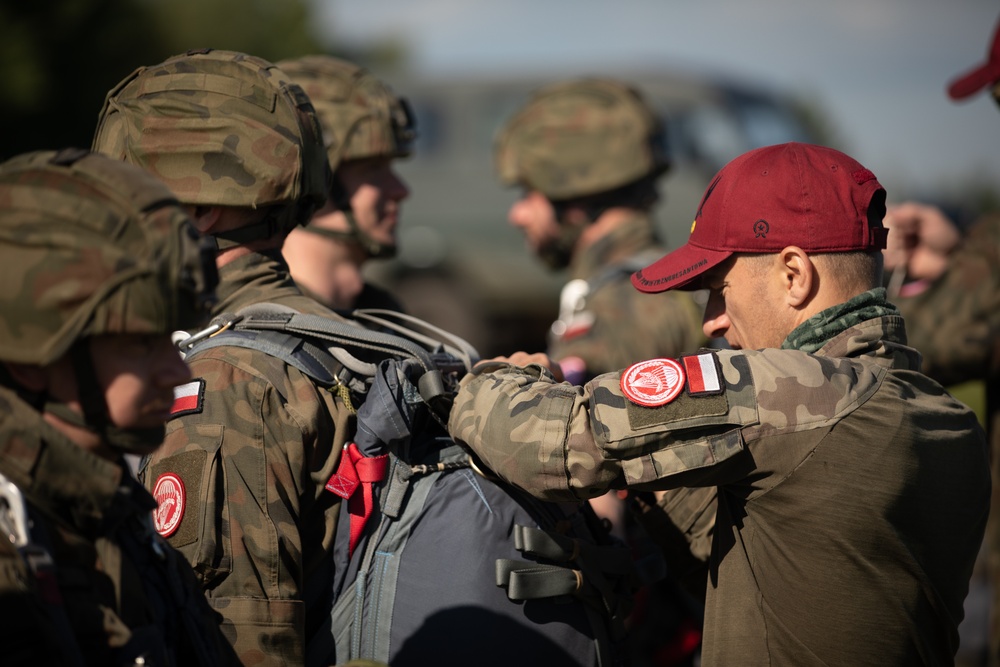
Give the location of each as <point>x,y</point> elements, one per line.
<point>58,58</point>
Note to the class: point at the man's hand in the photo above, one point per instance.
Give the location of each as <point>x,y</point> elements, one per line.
<point>537,358</point>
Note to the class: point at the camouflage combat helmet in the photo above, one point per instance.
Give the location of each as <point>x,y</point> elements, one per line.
<point>361,118</point>
<point>90,246</point>
<point>220,128</point>
<point>580,138</point>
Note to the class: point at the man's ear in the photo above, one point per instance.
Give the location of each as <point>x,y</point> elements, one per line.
<point>798,275</point>
<point>30,376</point>
<point>205,218</point>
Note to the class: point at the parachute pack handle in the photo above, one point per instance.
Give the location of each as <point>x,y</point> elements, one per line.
<point>611,559</point>
<point>596,578</point>
<point>413,327</point>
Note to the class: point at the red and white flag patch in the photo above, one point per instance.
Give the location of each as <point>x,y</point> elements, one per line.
<point>188,398</point>
<point>653,382</point>
<point>703,374</point>
<point>170,502</point>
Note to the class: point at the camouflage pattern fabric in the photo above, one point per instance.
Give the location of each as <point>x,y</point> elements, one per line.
<point>89,246</point>
<point>955,324</point>
<point>123,592</point>
<point>615,324</point>
<point>550,145</point>
<point>850,487</point>
<point>361,117</point>
<point>254,456</point>
<point>263,145</point>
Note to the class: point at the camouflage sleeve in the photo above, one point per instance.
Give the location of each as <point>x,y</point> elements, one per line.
<point>955,324</point>
<point>629,326</point>
<point>561,442</point>
<point>250,455</point>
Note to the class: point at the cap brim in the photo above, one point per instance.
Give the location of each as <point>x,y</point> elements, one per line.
<point>974,81</point>
<point>678,269</point>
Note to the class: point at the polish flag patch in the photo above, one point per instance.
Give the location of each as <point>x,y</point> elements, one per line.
<point>170,500</point>
<point>188,398</point>
<point>653,382</point>
<point>703,375</point>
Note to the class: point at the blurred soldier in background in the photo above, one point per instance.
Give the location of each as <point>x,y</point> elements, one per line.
<point>588,155</point>
<point>100,265</point>
<point>948,289</point>
<point>365,128</point>
<point>253,440</point>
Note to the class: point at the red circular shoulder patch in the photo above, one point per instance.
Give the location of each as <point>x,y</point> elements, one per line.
<point>170,499</point>
<point>653,382</point>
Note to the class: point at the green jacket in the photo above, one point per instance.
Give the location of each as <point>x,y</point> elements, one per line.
<point>853,491</point>
<point>114,591</point>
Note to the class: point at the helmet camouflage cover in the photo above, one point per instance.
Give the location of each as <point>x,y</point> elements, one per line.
<point>220,128</point>
<point>580,138</point>
<point>361,117</point>
<point>88,246</point>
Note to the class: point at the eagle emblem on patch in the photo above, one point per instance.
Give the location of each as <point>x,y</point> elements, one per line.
<point>170,501</point>
<point>653,382</point>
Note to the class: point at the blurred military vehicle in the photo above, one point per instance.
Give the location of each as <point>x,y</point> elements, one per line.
<point>462,266</point>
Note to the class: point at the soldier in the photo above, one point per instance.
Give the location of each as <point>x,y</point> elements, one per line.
<point>100,265</point>
<point>951,301</point>
<point>588,155</point>
<point>366,127</point>
<point>852,490</point>
<point>252,440</point>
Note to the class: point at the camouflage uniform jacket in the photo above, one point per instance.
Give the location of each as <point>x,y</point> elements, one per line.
<point>605,323</point>
<point>114,591</point>
<point>253,449</point>
<point>852,490</point>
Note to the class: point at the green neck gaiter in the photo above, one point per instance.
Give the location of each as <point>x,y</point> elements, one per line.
<point>815,332</point>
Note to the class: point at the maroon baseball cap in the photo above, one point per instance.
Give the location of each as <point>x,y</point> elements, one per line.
<point>984,75</point>
<point>769,198</point>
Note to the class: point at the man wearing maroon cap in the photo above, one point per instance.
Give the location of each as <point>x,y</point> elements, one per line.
<point>852,490</point>
<point>951,300</point>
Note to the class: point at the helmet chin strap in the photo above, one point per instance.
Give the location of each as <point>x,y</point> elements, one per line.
<point>279,220</point>
<point>355,235</point>
<point>557,253</point>
<point>95,417</point>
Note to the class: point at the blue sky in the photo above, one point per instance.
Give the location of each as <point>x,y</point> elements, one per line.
<point>879,67</point>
